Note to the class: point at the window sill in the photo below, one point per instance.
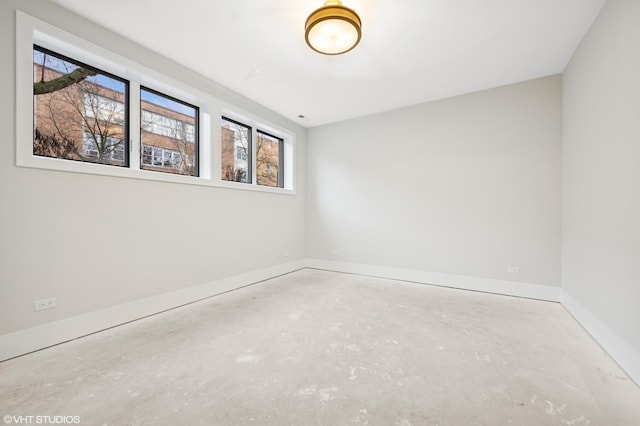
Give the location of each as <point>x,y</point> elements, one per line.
<point>55,164</point>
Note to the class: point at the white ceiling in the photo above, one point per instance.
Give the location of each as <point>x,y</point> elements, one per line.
<point>412,51</point>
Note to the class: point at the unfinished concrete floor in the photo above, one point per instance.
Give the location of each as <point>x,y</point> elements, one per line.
<point>316,347</point>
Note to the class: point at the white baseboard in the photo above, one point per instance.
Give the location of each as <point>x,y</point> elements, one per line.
<point>618,349</point>
<point>625,355</point>
<point>33,339</point>
<point>486,285</point>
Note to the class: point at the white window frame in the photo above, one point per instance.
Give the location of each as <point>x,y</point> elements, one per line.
<point>30,31</point>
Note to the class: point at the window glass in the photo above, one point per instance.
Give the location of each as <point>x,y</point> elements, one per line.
<point>269,160</point>
<point>168,133</point>
<point>75,111</point>
<point>79,112</point>
<point>236,151</point>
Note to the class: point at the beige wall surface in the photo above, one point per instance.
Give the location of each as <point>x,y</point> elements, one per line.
<point>97,241</point>
<point>467,185</point>
<point>601,172</point>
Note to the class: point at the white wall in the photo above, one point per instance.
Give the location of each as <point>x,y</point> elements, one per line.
<point>467,186</point>
<point>601,178</point>
<point>95,242</point>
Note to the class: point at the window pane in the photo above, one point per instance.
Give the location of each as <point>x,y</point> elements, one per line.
<point>79,112</point>
<point>169,134</point>
<point>269,154</point>
<point>236,151</point>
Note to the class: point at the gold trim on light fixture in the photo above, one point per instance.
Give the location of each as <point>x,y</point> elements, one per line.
<point>333,29</point>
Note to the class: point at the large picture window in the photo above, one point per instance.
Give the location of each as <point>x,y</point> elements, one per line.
<point>79,112</point>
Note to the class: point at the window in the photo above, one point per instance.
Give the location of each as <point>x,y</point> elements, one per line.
<point>154,156</point>
<point>168,134</point>
<point>78,111</point>
<point>241,153</point>
<point>236,151</point>
<point>110,150</point>
<point>238,154</point>
<point>269,160</point>
<point>102,108</point>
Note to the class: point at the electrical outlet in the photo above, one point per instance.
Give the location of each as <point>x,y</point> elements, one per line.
<point>513,269</point>
<point>39,305</point>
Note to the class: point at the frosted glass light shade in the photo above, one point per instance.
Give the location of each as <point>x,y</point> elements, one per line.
<point>333,29</point>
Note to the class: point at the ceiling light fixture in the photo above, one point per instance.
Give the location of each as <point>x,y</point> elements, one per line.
<point>333,29</point>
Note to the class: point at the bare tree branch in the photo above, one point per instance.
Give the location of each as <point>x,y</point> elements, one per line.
<point>59,83</point>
